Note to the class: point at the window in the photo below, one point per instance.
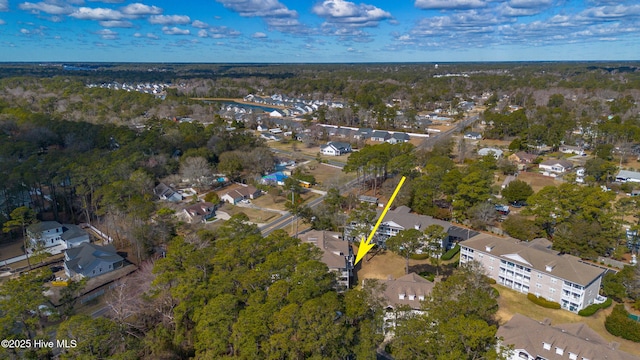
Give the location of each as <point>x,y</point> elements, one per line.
<point>490,268</point>
<point>552,290</point>
<point>539,276</point>
<point>554,280</point>
<point>538,285</point>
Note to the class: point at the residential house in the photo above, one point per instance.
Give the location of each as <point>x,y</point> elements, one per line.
<point>363,133</point>
<point>628,176</point>
<point>262,128</point>
<point>398,137</point>
<point>240,192</point>
<point>401,218</point>
<point>408,291</point>
<point>199,212</point>
<point>166,192</point>
<point>522,157</point>
<point>532,267</point>
<point>534,340</point>
<point>570,149</point>
<point>555,167</point>
<point>90,260</point>
<point>56,236</point>
<point>335,148</point>
<point>276,178</point>
<point>380,136</point>
<point>337,254</point>
<point>497,153</point>
<point>473,136</point>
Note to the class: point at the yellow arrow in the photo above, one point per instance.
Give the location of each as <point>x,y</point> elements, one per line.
<point>364,247</point>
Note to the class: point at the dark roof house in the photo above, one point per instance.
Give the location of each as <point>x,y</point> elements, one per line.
<point>90,260</point>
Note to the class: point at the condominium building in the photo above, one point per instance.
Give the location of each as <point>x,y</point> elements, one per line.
<point>402,218</point>
<point>532,267</point>
<point>336,253</point>
<point>534,340</point>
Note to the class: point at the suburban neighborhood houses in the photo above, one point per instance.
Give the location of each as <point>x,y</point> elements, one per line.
<point>228,215</point>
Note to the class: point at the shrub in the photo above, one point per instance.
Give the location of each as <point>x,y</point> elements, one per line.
<point>543,302</point>
<point>451,253</point>
<point>429,276</point>
<point>619,324</point>
<point>419,256</point>
<point>593,308</point>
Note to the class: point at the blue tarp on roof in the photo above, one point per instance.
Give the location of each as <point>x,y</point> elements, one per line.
<point>276,177</point>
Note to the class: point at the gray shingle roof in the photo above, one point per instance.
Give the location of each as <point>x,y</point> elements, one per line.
<point>410,285</point>
<point>529,335</point>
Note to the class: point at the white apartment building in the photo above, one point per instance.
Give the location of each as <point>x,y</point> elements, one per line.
<point>401,218</point>
<point>532,267</point>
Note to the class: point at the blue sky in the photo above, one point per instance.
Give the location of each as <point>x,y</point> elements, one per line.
<point>319,31</point>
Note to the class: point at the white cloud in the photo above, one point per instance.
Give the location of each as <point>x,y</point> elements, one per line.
<point>147,35</point>
<point>277,15</point>
<point>4,5</point>
<point>48,8</point>
<point>116,24</point>
<point>259,8</point>
<point>348,13</point>
<point>85,13</point>
<point>450,4</point>
<point>259,35</point>
<point>199,24</point>
<point>138,9</point>
<point>612,12</point>
<point>169,19</point>
<point>107,34</point>
<point>530,4</point>
<point>218,32</point>
<point>108,1</point>
<point>175,31</point>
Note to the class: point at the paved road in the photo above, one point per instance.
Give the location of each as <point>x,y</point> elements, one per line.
<point>432,140</point>
<point>287,219</point>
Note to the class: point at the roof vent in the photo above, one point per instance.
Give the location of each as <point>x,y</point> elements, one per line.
<point>489,247</point>
<point>549,267</point>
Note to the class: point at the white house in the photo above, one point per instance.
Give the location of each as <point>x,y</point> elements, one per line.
<point>335,148</point>
<point>554,167</point>
<point>569,149</point>
<point>497,153</point>
<point>398,137</point>
<point>56,236</point>
<point>473,136</point>
<point>626,175</point>
<point>532,267</point>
